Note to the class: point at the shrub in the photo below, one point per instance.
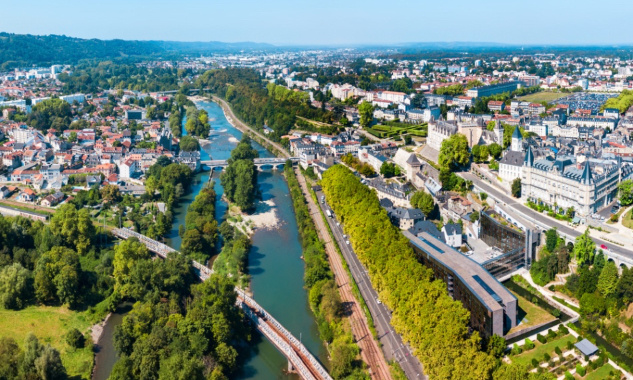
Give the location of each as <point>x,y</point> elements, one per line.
<point>580,370</point>
<point>569,376</point>
<point>563,330</point>
<point>558,350</point>
<point>551,334</point>
<point>516,349</point>
<point>534,362</point>
<point>556,313</point>
<point>547,357</point>
<point>579,338</point>
<point>541,338</point>
<point>528,344</point>
<point>75,338</point>
<point>551,288</point>
<point>570,345</point>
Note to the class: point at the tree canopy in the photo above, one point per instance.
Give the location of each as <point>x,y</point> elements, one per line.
<point>433,324</point>
<point>454,152</point>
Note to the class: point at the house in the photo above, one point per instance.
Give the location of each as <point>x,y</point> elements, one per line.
<point>495,105</point>
<point>453,234</point>
<point>26,195</point>
<point>52,200</point>
<point>4,192</point>
<point>405,218</point>
<point>128,168</point>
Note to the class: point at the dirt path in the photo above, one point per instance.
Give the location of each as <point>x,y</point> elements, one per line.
<point>369,350</point>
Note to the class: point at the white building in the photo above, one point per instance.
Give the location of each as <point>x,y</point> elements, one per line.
<point>438,132</point>
<point>510,166</point>
<point>565,183</point>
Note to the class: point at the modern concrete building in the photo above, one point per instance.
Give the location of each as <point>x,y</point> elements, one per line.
<point>493,309</point>
<point>494,89</point>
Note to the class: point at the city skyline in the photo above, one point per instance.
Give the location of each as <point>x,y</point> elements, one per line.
<point>353,23</point>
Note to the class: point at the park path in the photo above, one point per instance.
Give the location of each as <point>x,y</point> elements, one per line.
<point>369,350</point>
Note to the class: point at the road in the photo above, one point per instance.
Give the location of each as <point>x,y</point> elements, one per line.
<point>392,343</point>
<point>369,350</point>
<point>239,124</point>
<point>539,218</point>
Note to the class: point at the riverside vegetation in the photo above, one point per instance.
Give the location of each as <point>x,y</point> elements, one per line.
<point>324,298</point>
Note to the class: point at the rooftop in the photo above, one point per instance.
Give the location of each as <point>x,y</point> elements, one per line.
<point>482,284</point>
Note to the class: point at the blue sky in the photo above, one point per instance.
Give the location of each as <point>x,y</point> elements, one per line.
<point>328,22</point>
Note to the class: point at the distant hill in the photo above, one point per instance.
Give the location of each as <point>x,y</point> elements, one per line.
<point>25,49</point>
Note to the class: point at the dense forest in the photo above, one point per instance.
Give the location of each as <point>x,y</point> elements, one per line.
<point>274,106</point>
<point>18,50</point>
<point>239,179</point>
<point>91,78</point>
<point>177,329</point>
<point>433,324</point>
<point>200,232</point>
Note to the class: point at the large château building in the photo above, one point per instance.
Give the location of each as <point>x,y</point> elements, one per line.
<point>565,183</point>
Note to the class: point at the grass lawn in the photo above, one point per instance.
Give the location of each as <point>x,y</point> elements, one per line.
<point>530,314</point>
<point>541,349</point>
<point>50,324</point>
<point>543,96</point>
<point>627,221</point>
<point>600,373</point>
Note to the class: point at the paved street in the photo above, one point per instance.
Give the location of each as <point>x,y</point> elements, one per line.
<point>392,344</point>
<point>541,219</point>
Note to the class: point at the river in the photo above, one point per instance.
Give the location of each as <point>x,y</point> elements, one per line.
<point>275,264</point>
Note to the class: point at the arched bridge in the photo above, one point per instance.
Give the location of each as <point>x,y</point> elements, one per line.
<point>299,358</point>
<point>259,162</point>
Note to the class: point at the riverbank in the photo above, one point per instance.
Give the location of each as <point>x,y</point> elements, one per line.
<point>238,124</point>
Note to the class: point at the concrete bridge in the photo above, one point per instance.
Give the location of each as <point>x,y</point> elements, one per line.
<point>299,358</point>
<point>260,163</point>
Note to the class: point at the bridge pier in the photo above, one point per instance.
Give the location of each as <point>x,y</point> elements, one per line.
<point>291,368</point>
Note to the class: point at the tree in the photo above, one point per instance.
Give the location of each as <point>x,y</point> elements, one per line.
<point>111,193</point>
<point>626,192</point>
<point>516,188</point>
<point>15,286</point>
<point>424,201</point>
<point>366,112</point>
<point>474,216</point>
<point>49,364</point>
<point>75,338</point>
<point>551,239</point>
<point>126,257</point>
<point>496,346</point>
<point>72,137</point>
<point>189,144</point>
<point>57,276</point>
<point>75,227</point>
<point>388,169</point>
<point>608,279</point>
<point>495,150</point>
<point>584,248</point>
<point>454,152</point>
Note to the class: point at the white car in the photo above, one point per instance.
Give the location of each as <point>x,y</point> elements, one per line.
<point>347,242</point>
<point>378,301</point>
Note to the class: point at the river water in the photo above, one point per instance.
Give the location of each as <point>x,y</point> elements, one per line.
<point>274,263</point>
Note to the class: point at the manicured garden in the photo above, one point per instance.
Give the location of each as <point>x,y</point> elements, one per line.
<point>391,129</point>
<point>540,349</point>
